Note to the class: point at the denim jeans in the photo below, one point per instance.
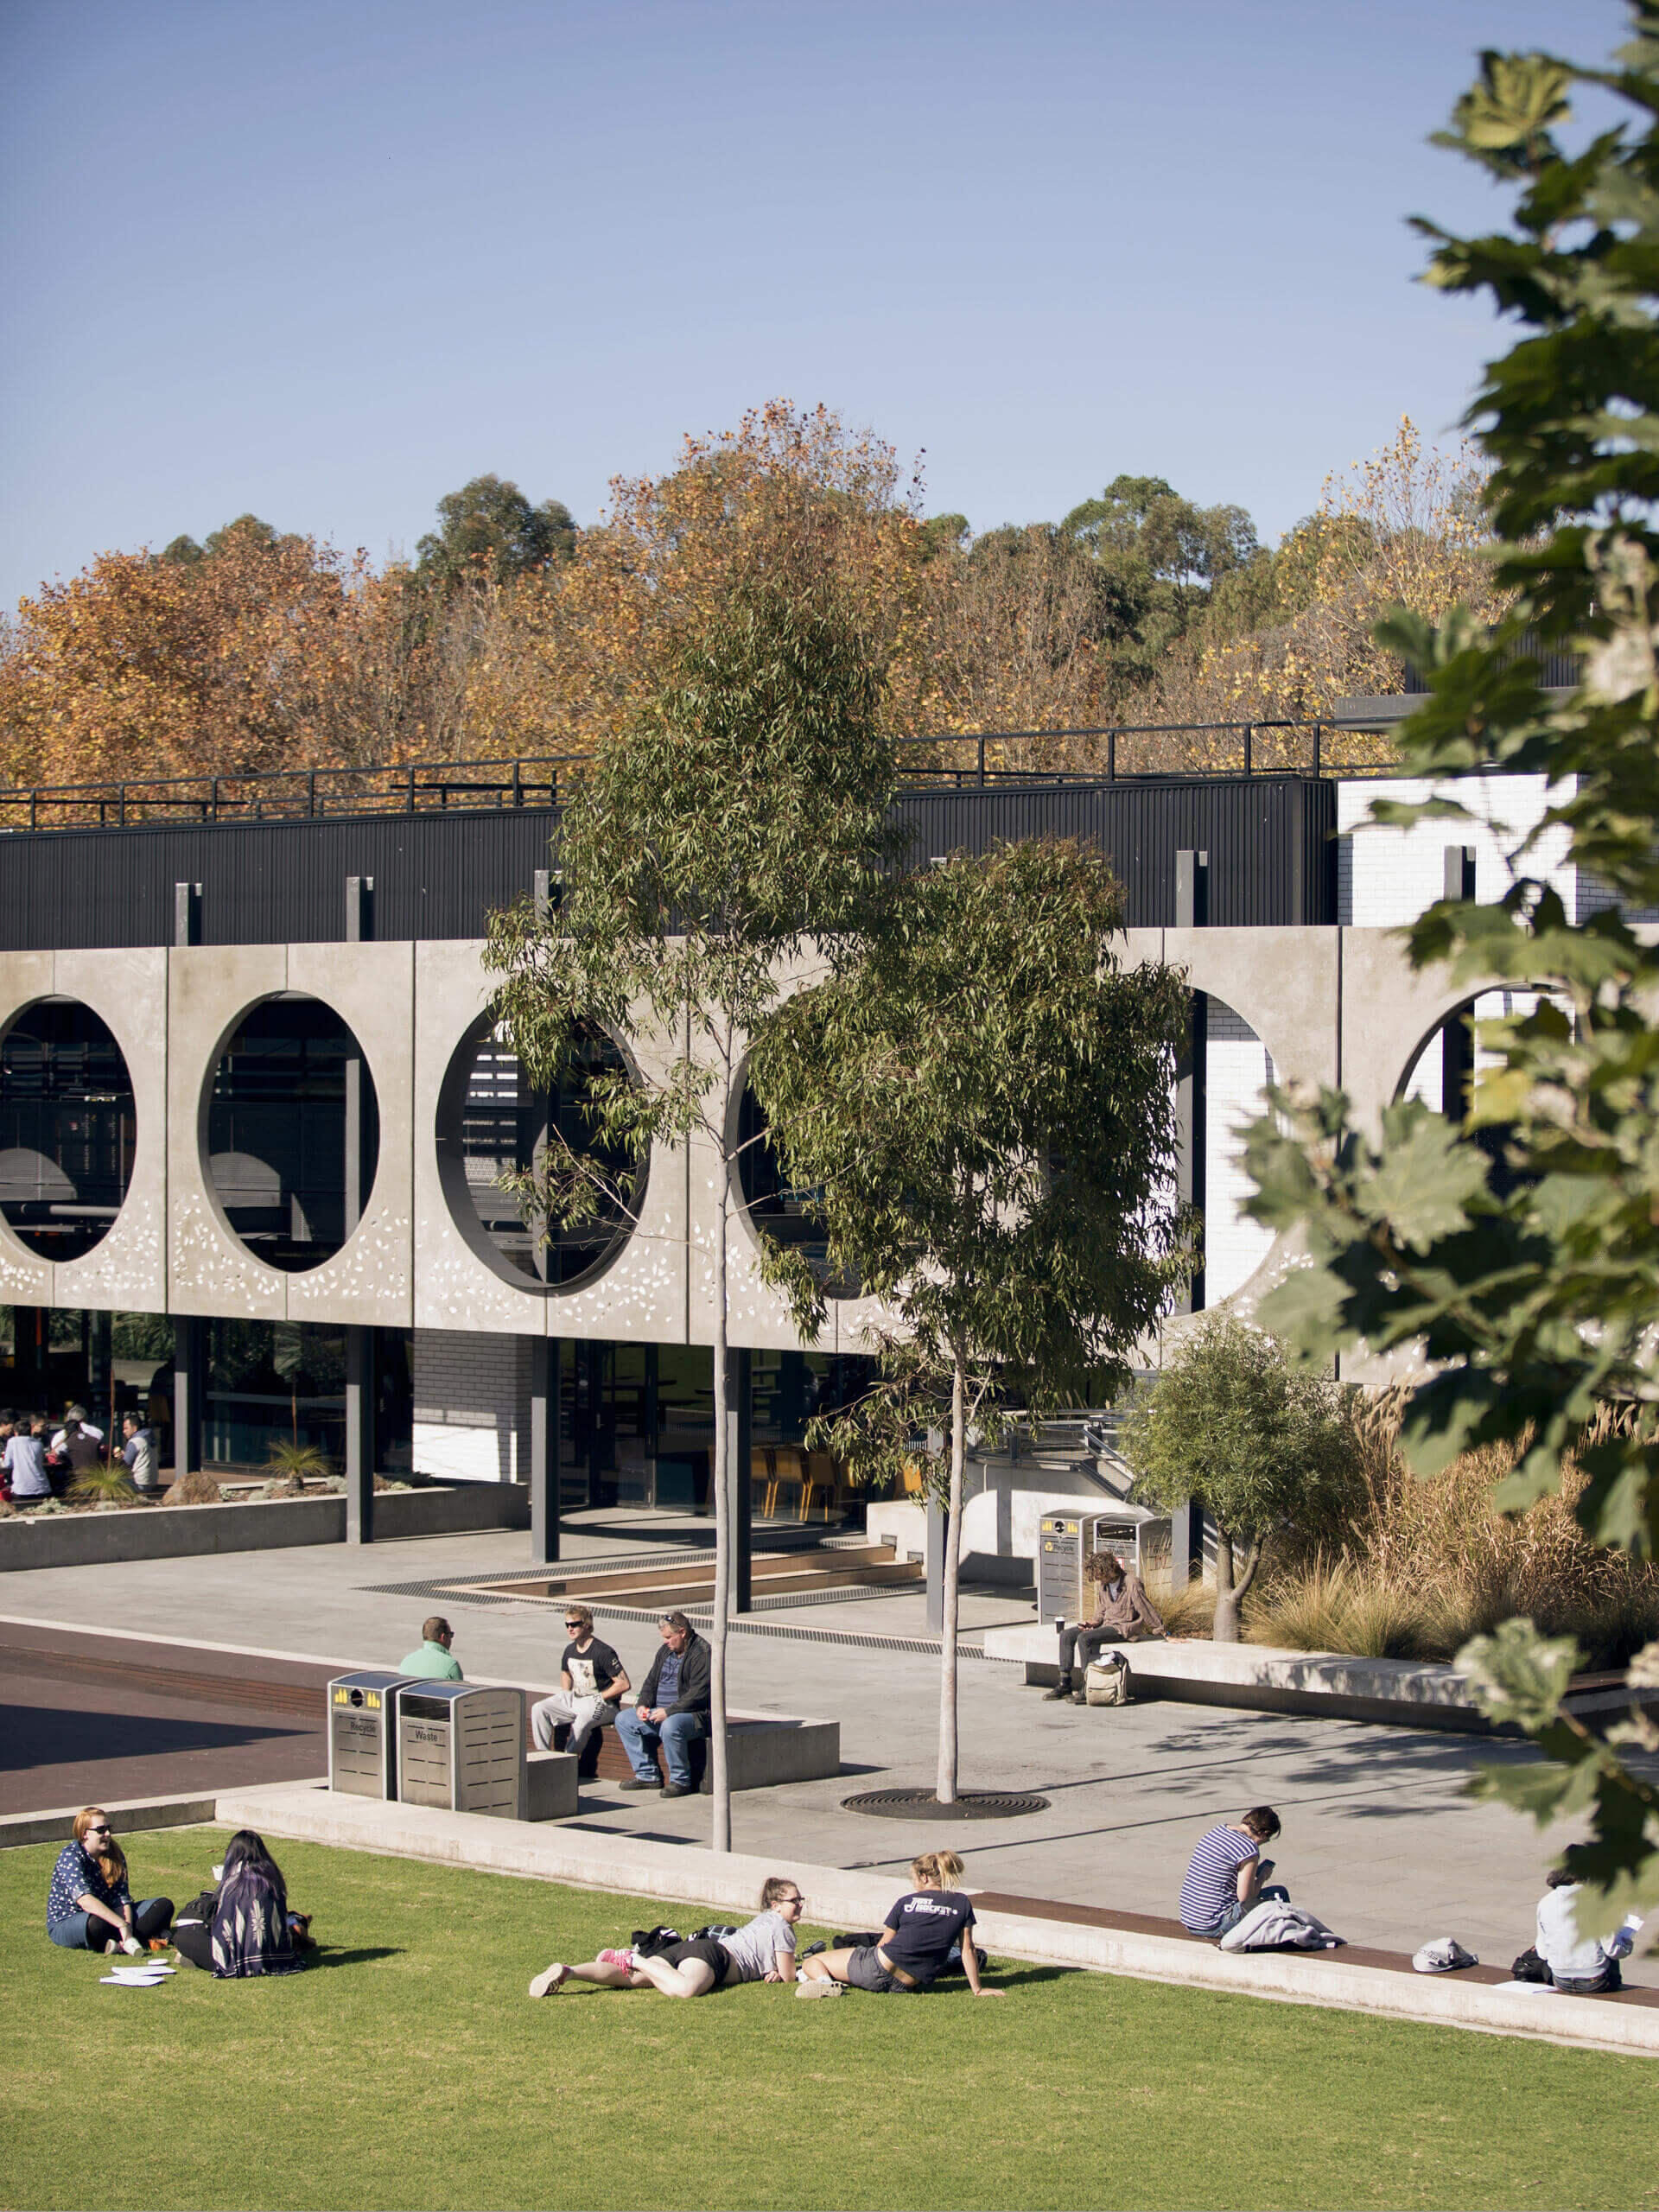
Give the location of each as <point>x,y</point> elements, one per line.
<point>85,1931</point>
<point>677,1733</point>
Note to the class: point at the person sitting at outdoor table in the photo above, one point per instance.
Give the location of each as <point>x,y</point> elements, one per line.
<point>78,1417</point>
<point>89,1906</point>
<point>916,1943</point>
<point>1124,1614</point>
<point>673,1709</point>
<point>25,1463</point>
<point>592,1682</point>
<point>243,1928</point>
<point>1578,1965</point>
<point>432,1662</point>
<point>138,1449</point>
<point>79,1447</point>
<point>764,1950</point>
<point>1224,1879</point>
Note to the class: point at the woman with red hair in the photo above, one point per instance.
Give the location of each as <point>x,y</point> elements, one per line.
<point>89,1906</point>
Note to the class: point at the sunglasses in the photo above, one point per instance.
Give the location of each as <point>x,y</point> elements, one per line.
<point>97,1827</point>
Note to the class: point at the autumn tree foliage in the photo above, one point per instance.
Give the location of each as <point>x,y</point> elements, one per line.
<point>1287,634</point>
<point>255,651</point>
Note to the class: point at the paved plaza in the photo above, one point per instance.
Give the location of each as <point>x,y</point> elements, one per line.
<point>1380,1837</point>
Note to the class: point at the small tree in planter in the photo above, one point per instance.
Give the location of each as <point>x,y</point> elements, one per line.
<point>1230,1425</point>
<point>981,1103</point>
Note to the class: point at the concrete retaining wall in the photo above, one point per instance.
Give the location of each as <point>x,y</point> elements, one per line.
<point>848,1896</point>
<point>1260,1678</point>
<point>192,1531</point>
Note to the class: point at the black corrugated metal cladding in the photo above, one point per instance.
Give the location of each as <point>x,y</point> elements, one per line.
<point>1269,838</point>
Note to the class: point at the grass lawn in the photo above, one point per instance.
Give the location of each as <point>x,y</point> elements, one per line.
<point>408,2068</point>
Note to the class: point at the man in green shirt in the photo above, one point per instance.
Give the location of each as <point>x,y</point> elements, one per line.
<point>434,1661</point>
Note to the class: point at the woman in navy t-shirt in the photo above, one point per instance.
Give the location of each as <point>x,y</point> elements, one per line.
<point>922,1929</point>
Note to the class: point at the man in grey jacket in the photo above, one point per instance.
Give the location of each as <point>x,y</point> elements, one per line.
<point>673,1710</point>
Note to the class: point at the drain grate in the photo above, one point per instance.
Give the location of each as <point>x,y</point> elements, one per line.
<point>922,1805</point>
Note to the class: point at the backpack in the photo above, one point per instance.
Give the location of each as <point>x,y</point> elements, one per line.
<point>1108,1680</point>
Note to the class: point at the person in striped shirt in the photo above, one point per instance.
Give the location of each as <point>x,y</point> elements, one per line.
<point>1223,1881</point>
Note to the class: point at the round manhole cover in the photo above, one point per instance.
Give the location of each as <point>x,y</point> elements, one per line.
<point>922,1805</point>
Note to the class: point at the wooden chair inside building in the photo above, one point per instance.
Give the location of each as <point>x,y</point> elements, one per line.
<point>805,1480</point>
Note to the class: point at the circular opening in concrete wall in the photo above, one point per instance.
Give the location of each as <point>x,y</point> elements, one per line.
<point>772,1203</point>
<point>293,1131</point>
<point>67,1129</point>
<point>493,1123</point>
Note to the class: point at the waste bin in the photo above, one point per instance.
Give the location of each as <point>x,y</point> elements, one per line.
<point>363,1735</point>
<point>462,1746</point>
<point>1059,1567</point>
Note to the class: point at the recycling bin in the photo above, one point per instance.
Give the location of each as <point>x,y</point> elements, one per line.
<point>362,1734</point>
<point>1059,1567</point>
<point>462,1746</point>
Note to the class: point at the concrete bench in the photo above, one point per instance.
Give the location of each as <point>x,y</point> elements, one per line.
<point>762,1750</point>
<point>1260,1678</point>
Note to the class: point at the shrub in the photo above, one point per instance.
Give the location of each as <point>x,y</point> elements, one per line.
<point>103,1485</point>
<point>298,1460</point>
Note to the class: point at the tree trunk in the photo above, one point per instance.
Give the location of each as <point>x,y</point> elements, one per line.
<point>948,1747</point>
<point>720,1484</point>
<point>1226,1628</point>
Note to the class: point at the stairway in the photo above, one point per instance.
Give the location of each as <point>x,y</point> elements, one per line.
<point>663,1584</point>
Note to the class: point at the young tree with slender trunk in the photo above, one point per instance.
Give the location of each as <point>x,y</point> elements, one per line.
<point>1259,1444</point>
<point>743,807</point>
<point>980,1099</point>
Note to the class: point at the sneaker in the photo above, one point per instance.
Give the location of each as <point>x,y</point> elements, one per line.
<point>812,1950</point>
<point>1053,1696</point>
<point>1079,1697</point>
<point>623,1959</point>
<point>110,1947</point>
<point>816,1988</point>
<point>638,1783</point>
<point>678,1790</point>
<point>555,1978</point>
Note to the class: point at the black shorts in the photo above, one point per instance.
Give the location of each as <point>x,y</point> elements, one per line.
<point>705,1947</point>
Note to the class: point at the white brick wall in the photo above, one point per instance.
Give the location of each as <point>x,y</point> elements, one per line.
<point>472,1404</point>
<point>1386,877</point>
<point>1238,1067</point>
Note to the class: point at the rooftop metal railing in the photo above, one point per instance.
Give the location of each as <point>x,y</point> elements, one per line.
<point>1121,753</point>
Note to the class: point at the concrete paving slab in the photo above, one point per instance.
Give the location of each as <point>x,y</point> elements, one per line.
<point>1381,1838</point>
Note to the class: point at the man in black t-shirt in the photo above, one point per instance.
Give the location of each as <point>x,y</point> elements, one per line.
<point>592,1679</point>
<point>915,1944</point>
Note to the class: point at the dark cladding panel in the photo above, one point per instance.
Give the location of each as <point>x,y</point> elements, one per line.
<point>435,875</point>
<point>1269,838</point>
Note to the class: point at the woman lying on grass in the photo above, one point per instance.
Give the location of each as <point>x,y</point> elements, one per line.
<point>916,1944</point>
<point>764,1951</point>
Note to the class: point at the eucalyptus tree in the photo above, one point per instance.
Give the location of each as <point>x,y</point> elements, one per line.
<point>741,814</point>
<point>978,1099</point>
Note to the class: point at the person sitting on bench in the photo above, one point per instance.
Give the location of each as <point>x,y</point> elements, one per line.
<point>1124,1614</point>
<point>591,1681</point>
<point>673,1709</point>
<point>1226,1874</point>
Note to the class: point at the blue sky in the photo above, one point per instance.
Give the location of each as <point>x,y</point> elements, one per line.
<point>327,262</point>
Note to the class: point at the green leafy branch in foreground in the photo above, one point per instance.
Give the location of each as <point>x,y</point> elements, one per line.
<point>1520,1252</point>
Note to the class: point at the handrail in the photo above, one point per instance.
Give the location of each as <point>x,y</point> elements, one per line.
<point>535,781</point>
